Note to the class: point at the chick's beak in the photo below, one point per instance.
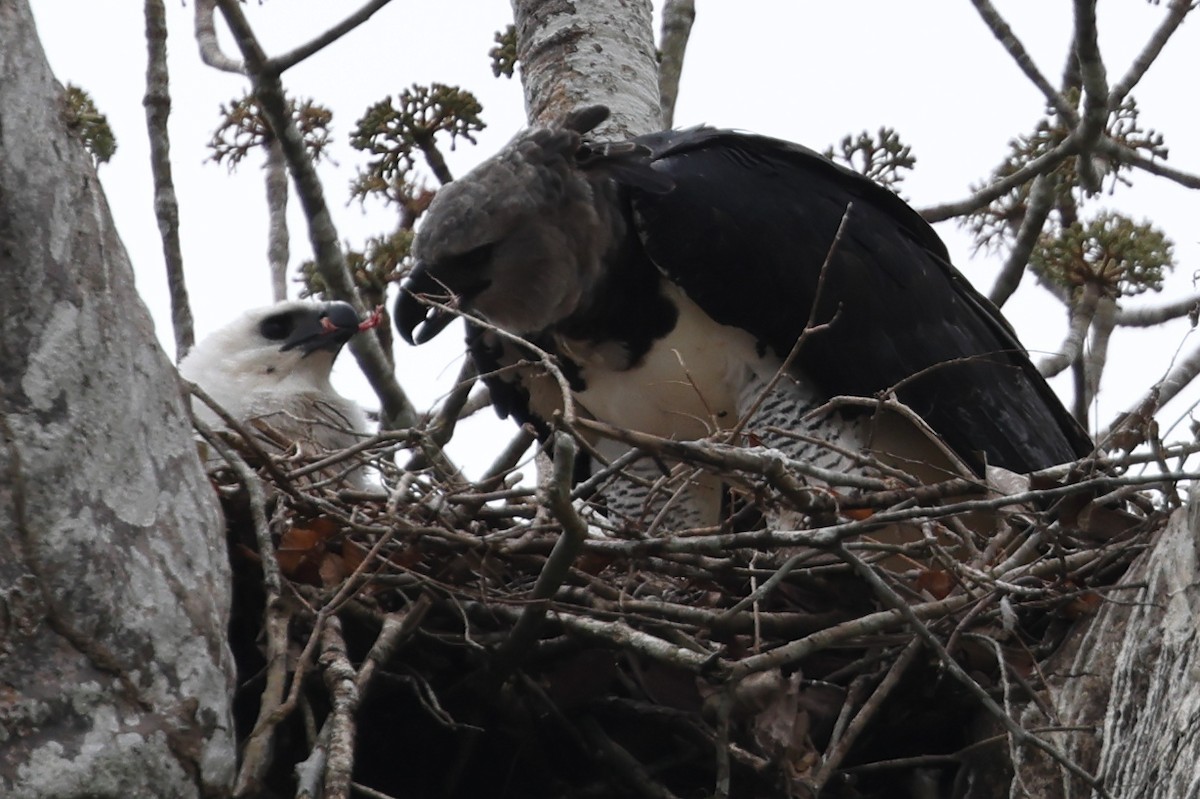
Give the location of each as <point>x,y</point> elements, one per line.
<point>329,328</point>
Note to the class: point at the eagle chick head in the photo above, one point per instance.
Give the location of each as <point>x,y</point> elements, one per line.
<point>274,363</point>
<point>520,240</point>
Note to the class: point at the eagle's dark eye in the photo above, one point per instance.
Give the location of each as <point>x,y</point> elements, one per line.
<point>277,327</point>
<point>474,259</point>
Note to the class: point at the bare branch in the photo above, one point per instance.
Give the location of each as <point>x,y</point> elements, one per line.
<point>277,227</point>
<point>566,549</point>
<point>810,327</point>
<point>1082,311</point>
<point>677,19</point>
<point>1182,374</point>
<point>1041,165</point>
<point>286,61</point>
<point>259,746</point>
<point>839,748</point>
<point>1041,201</point>
<point>206,39</point>
<point>1177,10</point>
<point>1096,356</point>
<point>338,733</point>
<point>157,103</point>
<point>1095,85</point>
<point>1127,155</point>
<point>1004,34</point>
<point>1156,315</point>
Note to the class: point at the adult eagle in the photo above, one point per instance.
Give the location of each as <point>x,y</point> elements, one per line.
<point>673,274</point>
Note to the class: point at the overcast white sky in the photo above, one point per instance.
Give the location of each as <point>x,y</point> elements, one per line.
<point>805,71</point>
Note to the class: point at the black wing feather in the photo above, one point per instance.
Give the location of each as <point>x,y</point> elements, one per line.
<point>745,232</point>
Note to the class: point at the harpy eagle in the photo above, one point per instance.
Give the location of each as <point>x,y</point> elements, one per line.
<point>673,274</point>
<point>270,368</point>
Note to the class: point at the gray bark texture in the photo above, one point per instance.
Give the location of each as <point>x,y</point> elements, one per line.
<point>574,54</point>
<point>115,677</point>
<point>1125,686</point>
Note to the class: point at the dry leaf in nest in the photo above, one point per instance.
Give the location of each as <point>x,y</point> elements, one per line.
<point>304,555</point>
<point>935,582</point>
<point>1081,605</point>
<point>777,718</point>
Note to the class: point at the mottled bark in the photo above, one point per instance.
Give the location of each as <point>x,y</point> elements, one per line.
<point>115,678</point>
<point>574,54</point>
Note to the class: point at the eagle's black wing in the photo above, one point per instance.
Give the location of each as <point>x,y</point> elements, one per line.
<point>745,232</point>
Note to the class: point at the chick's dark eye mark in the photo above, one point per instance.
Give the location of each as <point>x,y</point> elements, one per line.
<point>277,327</point>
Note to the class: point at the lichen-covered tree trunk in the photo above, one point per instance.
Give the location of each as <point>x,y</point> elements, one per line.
<point>115,678</point>
<point>588,53</point>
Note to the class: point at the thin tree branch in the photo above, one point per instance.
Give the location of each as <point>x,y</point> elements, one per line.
<point>1082,312</point>
<point>1156,315</point>
<point>838,750</point>
<point>557,498</point>
<point>1004,34</point>
<point>260,745</point>
<point>277,228</point>
<point>1043,164</point>
<point>677,19</point>
<point>397,412</point>
<point>281,63</point>
<point>157,103</point>
<point>1095,357</point>
<point>1177,10</point>
<point>810,327</point>
<point>206,39</point>
<point>338,734</point>
<point>1127,155</point>
<point>1183,373</point>
<point>1095,94</point>
<point>1041,201</point>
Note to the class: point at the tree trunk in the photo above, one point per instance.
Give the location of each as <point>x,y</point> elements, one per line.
<point>598,52</point>
<point>115,678</point>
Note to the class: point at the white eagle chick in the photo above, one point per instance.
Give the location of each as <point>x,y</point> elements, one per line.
<point>270,368</point>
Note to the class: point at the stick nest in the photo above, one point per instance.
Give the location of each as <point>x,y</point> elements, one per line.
<point>443,637</point>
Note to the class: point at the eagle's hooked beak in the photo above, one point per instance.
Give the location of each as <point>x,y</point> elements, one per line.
<point>412,310</point>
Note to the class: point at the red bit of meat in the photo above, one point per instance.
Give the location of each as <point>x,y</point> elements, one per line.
<point>373,320</point>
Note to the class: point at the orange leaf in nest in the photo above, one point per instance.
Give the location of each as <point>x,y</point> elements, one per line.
<point>301,550</point>
<point>406,557</point>
<point>858,514</point>
<point>937,583</point>
<point>298,547</point>
<point>1082,605</point>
